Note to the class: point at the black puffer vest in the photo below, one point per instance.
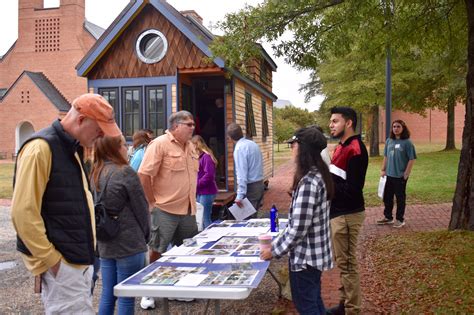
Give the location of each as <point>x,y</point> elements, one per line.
<point>65,210</point>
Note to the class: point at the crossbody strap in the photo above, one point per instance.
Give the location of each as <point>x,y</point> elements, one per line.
<point>97,200</point>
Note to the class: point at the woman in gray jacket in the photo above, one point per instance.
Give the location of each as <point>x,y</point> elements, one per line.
<point>118,188</point>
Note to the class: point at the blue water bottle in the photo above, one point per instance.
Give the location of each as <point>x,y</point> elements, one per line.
<point>274,219</point>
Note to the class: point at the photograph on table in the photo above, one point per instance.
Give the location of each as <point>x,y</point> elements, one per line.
<point>230,278</point>
<point>214,252</point>
<point>265,223</point>
<point>169,275</point>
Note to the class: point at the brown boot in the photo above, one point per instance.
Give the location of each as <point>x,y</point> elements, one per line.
<point>154,256</point>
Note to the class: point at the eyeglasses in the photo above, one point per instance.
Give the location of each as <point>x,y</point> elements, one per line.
<point>189,124</point>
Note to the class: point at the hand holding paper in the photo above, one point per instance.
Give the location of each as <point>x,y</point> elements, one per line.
<point>241,213</point>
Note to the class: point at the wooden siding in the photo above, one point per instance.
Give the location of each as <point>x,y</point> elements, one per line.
<point>230,146</point>
<point>253,68</point>
<point>121,60</point>
<point>265,143</point>
<point>174,104</point>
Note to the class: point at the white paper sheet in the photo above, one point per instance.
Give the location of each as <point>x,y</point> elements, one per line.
<point>191,280</point>
<point>180,251</point>
<point>244,212</point>
<point>184,259</point>
<point>235,260</point>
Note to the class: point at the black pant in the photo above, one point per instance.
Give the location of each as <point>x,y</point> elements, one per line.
<point>395,187</point>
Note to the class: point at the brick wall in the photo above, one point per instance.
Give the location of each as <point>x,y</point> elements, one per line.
<point>51,41</point>
<point>428,129</point>
<point>17,106</point>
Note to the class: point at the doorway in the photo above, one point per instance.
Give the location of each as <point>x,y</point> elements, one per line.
<point>23,131</point>
<point>209,110</point>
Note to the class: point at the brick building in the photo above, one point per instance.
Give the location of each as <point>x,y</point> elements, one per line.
<point>430,128</point>
<point>37,76</point>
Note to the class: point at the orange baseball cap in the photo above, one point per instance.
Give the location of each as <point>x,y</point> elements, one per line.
<point>94,106</point>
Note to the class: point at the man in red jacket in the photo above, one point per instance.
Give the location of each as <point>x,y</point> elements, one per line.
<point>348,168</point>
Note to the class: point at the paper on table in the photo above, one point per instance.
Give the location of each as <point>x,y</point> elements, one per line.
<point>180,251</point>
<point>233,260</point>
<point>244,212</point>
<point>191,280</point>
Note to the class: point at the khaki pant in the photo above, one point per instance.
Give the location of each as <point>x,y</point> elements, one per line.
<point>69,292</point>
<point>345,232</point>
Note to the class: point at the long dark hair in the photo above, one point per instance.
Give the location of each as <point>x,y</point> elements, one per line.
<point>405,132</point>
<point>309,156</point>
<point>106,149</point>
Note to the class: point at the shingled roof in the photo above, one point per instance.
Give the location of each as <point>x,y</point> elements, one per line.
<point>46,87</point>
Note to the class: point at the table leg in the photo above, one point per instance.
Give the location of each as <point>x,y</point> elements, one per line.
<point>217,307</point>
<point>166,307</point>
<point>280,286</point>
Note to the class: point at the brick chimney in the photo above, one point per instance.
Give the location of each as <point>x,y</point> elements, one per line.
<point>192,14</point>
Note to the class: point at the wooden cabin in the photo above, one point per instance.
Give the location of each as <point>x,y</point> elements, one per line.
<point>153,61</point>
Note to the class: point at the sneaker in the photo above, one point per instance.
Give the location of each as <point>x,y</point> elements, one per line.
<point>399,224</point>
<point>385,221</point>
<point>185,300</point>
<point>147,303</point>
<point>181,299</point>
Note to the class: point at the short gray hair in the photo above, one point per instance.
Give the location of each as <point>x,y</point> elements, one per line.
<point>177,117</point>
<point>234,131</point>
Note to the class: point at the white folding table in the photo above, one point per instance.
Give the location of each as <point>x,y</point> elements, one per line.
<point>217,292</point>
<point>202,292</point>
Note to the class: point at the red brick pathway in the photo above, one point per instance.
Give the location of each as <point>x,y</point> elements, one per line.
<point>417,218</point>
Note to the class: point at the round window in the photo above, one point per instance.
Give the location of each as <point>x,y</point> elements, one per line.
<point>151,46</point>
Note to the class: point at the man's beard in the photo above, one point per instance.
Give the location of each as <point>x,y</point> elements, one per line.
<point>339,135</point>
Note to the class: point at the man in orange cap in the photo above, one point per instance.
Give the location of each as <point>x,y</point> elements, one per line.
<point>52,207</point>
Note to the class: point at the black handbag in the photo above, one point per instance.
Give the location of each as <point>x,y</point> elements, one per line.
<point>107,226</point>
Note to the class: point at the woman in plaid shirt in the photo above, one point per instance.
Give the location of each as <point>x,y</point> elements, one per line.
<point>307,237</point>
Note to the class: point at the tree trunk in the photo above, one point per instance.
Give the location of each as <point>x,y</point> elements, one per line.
<point>450,139</point>
<point>374,131</point>
<point>462,216</point>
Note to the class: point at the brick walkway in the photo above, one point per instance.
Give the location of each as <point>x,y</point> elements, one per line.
<point>417,218</point>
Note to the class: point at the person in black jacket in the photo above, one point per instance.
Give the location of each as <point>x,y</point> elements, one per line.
<point>52,206</point>
<point>348,167</point>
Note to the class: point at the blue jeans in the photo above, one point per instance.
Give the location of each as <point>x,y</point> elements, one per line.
<point>306,291</point>
<point>113,272</point>
<point>206,201</point>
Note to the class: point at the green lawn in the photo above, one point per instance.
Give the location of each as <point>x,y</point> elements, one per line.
<point>433,178</point>
<point>6,175</point>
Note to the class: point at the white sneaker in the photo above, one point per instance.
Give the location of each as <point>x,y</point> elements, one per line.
<point>147,303</point>
<point>398,224</point>
<point>181,299</point>
<point>185,299</point>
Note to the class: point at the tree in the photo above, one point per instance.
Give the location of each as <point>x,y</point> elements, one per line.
<point>462,214</point>
<point>297,116</point>
<point>284,129</point>
<point>323,28</point>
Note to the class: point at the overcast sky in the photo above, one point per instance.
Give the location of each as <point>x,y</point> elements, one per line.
<point>286,80</point>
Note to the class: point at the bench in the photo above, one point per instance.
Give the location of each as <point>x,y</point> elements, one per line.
<point>223,200</point>
<point>14,156</point>
<point>3,155</point>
